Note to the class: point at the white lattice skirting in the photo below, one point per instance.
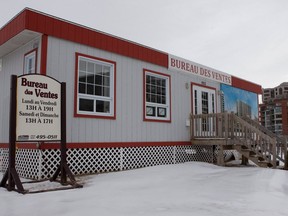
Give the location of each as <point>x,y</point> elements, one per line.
<point>41,164</point>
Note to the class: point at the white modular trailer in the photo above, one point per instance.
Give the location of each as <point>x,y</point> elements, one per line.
<point>128,105</point>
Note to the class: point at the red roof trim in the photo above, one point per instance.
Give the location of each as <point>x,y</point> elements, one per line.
<point>62,29</point>
<point>14,27</point>
<point>52,26</point>
<point>246,85</point>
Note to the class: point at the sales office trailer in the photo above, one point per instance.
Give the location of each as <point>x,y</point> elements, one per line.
<point>128,105</point>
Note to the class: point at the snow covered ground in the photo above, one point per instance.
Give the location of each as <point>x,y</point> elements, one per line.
<point>194,188</point>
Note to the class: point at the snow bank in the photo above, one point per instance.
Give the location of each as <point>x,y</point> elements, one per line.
<point>184,189</point>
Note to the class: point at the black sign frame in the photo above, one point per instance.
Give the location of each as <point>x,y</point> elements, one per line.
<point>11,180</point>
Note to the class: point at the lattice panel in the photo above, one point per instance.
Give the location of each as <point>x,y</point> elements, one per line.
<point>147,156</point>
<point>82,161</point>
<point>42,164</point>
<point>4,160</point>
<point>194,153</point>
<point>50,162</point>
<point>27,162</point>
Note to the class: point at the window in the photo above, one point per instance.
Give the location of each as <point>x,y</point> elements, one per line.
<point>95,87</point>
<point>205,102</point>
<point>156,96</point>
<point>30,60</point>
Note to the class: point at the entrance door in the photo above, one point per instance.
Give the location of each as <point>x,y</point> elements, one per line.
<point>204,103</point>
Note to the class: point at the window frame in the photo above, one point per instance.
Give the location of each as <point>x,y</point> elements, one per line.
<point>27,56</point>
<point>157,106</point>
<point>112,91</point>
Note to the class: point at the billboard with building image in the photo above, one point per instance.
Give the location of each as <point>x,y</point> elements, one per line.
<point>239,101</point>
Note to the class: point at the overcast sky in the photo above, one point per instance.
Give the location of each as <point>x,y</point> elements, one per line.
<point>245,38</point>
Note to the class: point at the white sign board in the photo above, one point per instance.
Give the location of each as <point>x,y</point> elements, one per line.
<point>38,115</point>
<point>183,65</point>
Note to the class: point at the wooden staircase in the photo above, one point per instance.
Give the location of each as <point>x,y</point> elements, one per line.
<point>252,156</point>
<point>230,132</point>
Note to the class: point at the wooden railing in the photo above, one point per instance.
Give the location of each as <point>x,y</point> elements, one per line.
<point>281,141</point>
<point>235,130</point>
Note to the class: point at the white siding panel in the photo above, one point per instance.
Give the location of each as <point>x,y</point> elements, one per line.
<point>128,125</point>
<point>12,64</point>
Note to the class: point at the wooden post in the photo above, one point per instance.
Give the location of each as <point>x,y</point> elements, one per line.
<point>220,125</point>
<point>226,125</point>
<point>63,147</point>
<point>274,153</point>
<point>191,127</point>
<point>11,174</point>
<point>220,158</point>
<point>244,161</point>
<point>286,161</point>
<point>286,154</point>
<point>63,168</point>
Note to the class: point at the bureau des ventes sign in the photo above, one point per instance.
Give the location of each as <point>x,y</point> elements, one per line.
<point>38,110</point>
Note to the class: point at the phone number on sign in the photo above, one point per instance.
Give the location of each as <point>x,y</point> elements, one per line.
<point>43,136</point>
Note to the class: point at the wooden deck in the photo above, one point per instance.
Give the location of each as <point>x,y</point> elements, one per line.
<point>249,138</point>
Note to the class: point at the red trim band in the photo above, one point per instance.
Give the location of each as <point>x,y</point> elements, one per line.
<point>44,47</point>
<point>96,145</point>
<point>246,85</point>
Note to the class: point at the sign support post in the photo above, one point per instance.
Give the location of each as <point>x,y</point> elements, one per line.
<point>63,168</point>
<point>11,174</point>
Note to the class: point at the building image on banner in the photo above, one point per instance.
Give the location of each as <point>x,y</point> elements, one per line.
<point>239,101</point>
<point>128,105</point>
